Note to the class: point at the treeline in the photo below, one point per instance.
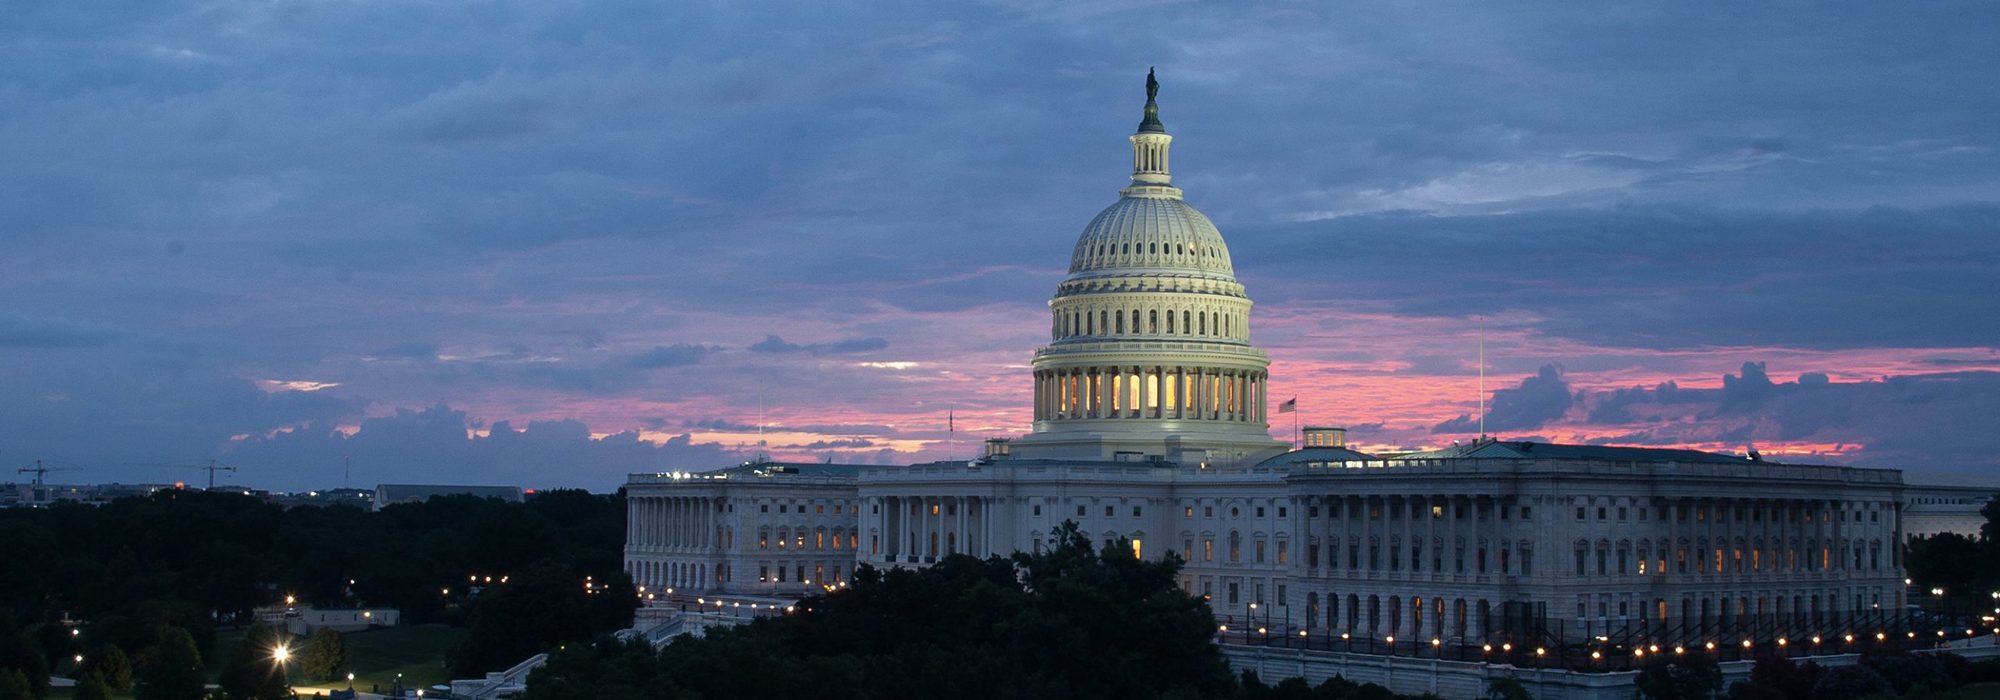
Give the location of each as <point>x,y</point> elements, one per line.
<point>1065,623</point>
<point>136,573</point>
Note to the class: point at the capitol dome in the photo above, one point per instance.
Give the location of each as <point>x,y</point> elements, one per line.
<point>1151,233</point>
<point>1149,354</point>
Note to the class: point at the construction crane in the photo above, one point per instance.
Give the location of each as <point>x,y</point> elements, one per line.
<point>211,468</point>
<point>41,470</point>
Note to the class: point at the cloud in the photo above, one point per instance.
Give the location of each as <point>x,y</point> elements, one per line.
<point>676,355</point>
<point>1536,402</point>
<point>774,344</point>
<point>435,444</point>
<point>524,212</point>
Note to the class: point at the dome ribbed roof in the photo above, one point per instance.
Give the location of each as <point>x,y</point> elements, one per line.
<point>1151,234</point>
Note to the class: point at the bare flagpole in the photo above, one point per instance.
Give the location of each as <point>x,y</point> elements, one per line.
<point>1482,381</point>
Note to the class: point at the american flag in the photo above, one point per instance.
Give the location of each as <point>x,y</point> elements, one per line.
<point>1289,406</point>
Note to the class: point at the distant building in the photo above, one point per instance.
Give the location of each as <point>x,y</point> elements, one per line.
<point>305,621</point>
<point>1931,510</point>
<point>359,498</point>
<point>28,495</point>
<point>391,494</point>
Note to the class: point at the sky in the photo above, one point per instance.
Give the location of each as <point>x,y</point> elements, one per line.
<point>551,244</point>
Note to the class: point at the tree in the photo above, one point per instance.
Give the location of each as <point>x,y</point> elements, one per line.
<point>20,651</point>
<point>1687,677</point>
<point>252,672</point>
<point>1849,682</point>
<point>326,655</point>
<point>92,687</point>
<point>1506,688</point>
<point>1067,622</point>
<point>110,664</point>
<point>14,685</point>
<point>170,670</point>
<point>1990,530</point>
<point>538,610</point>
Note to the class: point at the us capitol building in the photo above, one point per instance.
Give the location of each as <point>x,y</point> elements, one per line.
<point>1150,429</point>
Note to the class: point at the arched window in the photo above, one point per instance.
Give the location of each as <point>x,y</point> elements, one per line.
<point>1104,320</point>
<point>1121,324</point>
<point>1187,322</point>
<point>1153,321</point>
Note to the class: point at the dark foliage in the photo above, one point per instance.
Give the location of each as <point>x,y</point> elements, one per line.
<point>1905,671</point>
<point>1685,677</point>
<point>92,687</point>
<point>182,557</point>
<point>19,652</point>
<point>541,608</point>
<point>1776,678</point>
<point>1335,688</point>
<point>14,685</point>
<point>325,657</point>
<point>111,665</point>
<point>170,669</point>
<point>1065,623</point>
<point>251,672</point>
<point>1849,682</point>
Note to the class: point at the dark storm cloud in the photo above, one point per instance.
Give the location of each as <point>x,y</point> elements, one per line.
<point>1928,424</point>
<point>1536,402</point>
<point>1662,277</point>
<point>537,207</point>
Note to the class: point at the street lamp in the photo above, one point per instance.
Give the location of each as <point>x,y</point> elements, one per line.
<point>350,681</point>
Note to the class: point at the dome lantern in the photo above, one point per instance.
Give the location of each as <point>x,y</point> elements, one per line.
<point>1150,177</point>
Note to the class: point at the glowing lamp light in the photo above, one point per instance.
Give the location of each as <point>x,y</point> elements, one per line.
<point>1708,645</point>
<point>78,659</point>
<point>1507,646</point>
<point>1641,653</point>
<point>1302,633</point>
<point>1746,643</point>
<point>1488,648</point>
<point>1390,639</point>
<point>1815,639</point>
<point>1781,641</point>
<point>1539,651</point>
<point>1343,635</point>
<point>1655,648</point>
<point>1222,628</point>
<point>1680,649</point>
<point>1595,656</point>
<point>1435,642</point>
<point>281,653</point>
<point>1261,630</point>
